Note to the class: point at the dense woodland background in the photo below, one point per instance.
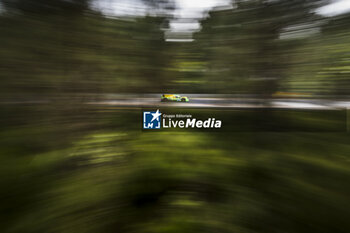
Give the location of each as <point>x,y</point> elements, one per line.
<point>69,167</point>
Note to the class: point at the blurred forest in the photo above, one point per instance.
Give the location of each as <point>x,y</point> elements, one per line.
<point>70,167</point>
<point>61,48</point>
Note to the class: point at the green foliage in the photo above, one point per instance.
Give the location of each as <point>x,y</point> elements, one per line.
<point>69,167</point>
<point>123,181</point>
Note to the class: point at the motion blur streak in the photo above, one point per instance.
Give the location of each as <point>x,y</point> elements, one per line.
<point>75,74</point>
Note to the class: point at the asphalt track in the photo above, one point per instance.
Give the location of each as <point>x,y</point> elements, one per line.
<point>227,103</point>
<point>203,101</point>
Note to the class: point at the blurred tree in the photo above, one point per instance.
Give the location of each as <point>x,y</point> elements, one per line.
<point>63,48</point>
<point>243,45</point>
<point>48,7</point>
<point>334,49</point>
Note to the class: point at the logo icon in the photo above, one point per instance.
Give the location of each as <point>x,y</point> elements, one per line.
<point>151,120</point>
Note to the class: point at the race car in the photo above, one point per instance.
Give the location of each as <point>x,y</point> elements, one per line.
<point>174,98</point>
